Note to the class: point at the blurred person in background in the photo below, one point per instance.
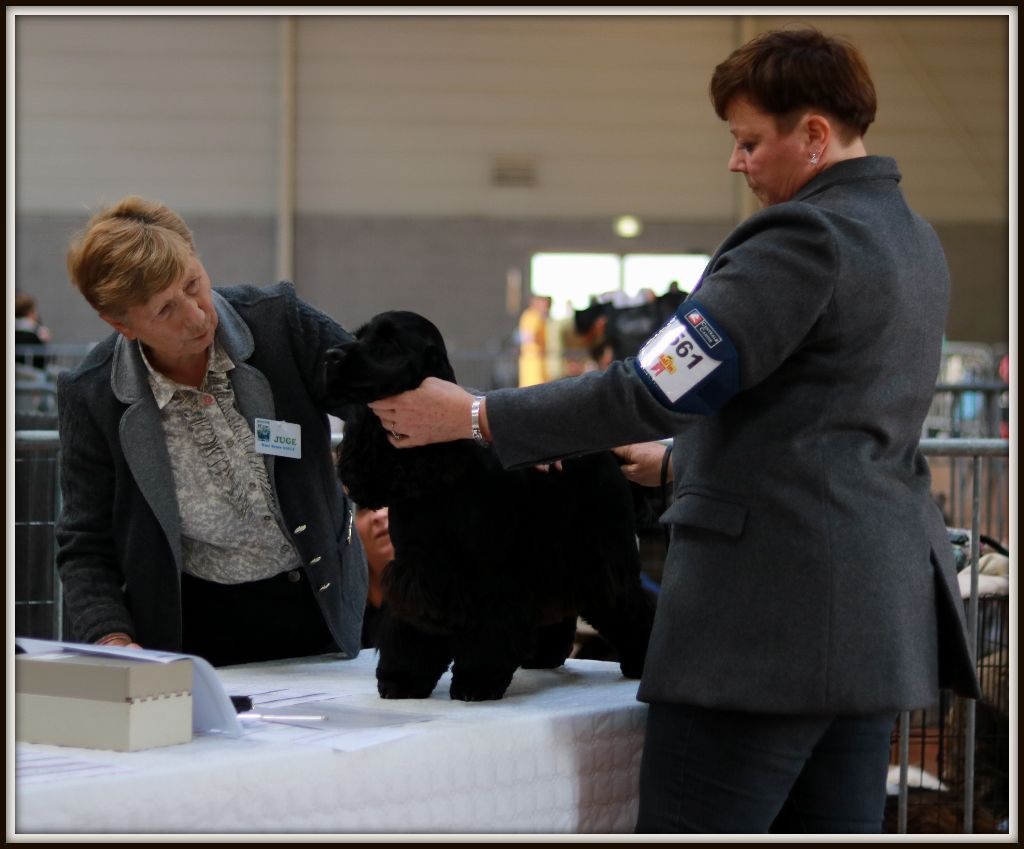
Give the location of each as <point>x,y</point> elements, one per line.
<point>809,591</point>
<point>29,329</point>
<point>374,532</point>
<point>201,509</point>
<point>1004,401</point>
<point>533,347</point>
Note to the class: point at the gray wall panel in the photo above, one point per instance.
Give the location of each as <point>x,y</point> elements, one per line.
<point>401,118</point>
<point>454,270</point>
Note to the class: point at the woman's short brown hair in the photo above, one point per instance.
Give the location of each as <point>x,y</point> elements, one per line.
<point>783,71</point>
<point>129,252</point>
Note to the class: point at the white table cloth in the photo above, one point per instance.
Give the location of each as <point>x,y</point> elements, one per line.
<point>559,754</point>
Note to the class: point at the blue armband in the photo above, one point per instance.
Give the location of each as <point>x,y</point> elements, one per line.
<point>690,365</point>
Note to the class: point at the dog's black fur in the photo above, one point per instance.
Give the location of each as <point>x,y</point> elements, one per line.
<point>491,566</point>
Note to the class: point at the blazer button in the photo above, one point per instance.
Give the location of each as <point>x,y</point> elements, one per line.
<point>325,586</point>
<point>294,576</point>
<point>316,559</point>
<point>299,529</point>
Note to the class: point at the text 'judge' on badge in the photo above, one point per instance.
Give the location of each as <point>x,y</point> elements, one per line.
<point>282,439</point>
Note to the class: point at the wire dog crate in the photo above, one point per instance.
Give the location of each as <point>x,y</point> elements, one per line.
<point>37,599</point>
<point>954,757</point>
<point>938,740</point>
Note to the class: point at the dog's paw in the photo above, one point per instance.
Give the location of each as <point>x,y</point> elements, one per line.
<point>479,688</point>
<point>476,693</point>
<point>404,689</point>
<point>632,668</point>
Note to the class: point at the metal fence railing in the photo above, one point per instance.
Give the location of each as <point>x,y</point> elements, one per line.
<point>972,410</point>
<point>50,358</point>
<point>38,610</point>
<point>959,749</point>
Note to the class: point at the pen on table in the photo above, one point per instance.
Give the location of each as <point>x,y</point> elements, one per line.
<point>281,717</point>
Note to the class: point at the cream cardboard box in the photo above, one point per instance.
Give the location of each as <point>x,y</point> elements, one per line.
<point>102,702</point>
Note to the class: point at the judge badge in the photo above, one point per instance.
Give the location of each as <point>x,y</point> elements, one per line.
<point>282,439</point>
<point>682,363</point>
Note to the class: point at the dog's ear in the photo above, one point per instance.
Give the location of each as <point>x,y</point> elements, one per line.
<point>436,364</point>
<point>334,369</point>
<point>366,462</point>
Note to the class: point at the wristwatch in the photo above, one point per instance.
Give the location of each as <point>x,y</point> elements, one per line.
<point>474,419</point>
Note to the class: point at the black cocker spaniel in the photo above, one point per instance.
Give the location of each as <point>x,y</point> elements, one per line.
<point>492,566</point>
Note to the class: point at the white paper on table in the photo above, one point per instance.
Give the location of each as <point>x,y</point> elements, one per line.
<point>33,765</point>
<point>212,710</point>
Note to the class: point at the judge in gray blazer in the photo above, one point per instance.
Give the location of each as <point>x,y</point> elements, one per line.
<point>201,508</point>
<point>809,592</point>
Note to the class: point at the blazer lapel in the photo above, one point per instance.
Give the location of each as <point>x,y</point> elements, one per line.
<point>146,456</point>
<point>253,394</point>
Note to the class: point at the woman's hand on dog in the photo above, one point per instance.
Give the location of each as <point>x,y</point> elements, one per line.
<point>644,463</point>
<point>437,411</point>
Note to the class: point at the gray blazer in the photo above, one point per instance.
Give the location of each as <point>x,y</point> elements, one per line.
<point>119,549</point>
<point>809,569</point>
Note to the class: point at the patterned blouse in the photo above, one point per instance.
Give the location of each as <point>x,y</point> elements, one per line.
<point>231,527</point>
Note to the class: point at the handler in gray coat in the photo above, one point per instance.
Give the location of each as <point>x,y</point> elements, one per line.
<point>809,592</point>
<point>201,508</point>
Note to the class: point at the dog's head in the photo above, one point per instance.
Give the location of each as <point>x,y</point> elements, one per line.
<point>391,353</point>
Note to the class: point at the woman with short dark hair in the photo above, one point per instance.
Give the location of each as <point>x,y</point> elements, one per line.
<point>809,591</point>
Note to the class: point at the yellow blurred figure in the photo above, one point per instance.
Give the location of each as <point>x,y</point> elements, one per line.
<point>533,341</point>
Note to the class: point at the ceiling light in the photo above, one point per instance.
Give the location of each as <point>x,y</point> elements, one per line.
<point>628,226</point>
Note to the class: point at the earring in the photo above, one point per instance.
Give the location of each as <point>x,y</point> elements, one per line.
<point>814,158</point>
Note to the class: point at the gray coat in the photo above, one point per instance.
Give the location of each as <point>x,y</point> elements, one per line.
<point>809,569</point>
<point>119,549</point>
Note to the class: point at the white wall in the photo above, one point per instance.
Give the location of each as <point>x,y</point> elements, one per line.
<point>406,115</point>
<point>400,120</point>
<point>181,108</point>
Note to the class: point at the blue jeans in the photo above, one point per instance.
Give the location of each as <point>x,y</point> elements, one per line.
<point>727,772</point>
